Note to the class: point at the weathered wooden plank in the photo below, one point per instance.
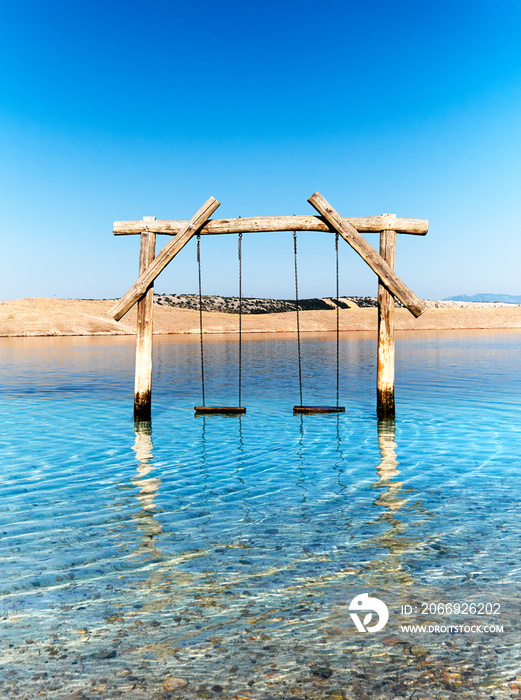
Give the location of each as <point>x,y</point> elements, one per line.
<point>366,251</point>
<point>263,224</point>
<point>167,253</point>
<point>385,406</point>
<point>319,409</point>
<point>235,410</point>
<point>143,375</point>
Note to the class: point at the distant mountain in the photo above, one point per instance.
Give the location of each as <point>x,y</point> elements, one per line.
<point>505,298</point>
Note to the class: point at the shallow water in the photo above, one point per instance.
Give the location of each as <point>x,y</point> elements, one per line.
<point>225,551</point>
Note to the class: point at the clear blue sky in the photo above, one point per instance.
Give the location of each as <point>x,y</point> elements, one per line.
<point>118,110</point>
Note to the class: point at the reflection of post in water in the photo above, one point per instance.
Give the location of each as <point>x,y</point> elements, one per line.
<point>147,489</point>
<point>391,539</point>
<point>387,469</point>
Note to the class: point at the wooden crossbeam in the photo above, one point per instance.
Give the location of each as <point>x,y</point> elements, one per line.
<point>366,251</point>
<point>168,252</point>
<point>264,224</point>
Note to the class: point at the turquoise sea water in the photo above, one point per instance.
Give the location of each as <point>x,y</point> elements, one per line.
<point>223,552</point>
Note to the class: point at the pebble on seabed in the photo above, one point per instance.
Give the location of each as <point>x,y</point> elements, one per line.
<point>174,683</point>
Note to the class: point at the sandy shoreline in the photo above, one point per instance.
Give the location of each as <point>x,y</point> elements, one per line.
<point>81,317</point>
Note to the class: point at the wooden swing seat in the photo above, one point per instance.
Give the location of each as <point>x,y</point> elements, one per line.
<point>230,410</point>
<point>319,409</point>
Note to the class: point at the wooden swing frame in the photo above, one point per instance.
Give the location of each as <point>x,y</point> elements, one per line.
<point>328,221</point>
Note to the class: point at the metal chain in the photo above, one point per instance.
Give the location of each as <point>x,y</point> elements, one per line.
<point>298,317</point>
<point>239,254</point>
<point>337,326</point>
<point>200,313</point>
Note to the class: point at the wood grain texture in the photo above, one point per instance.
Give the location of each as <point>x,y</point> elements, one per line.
<point>366,251</point>
<point>319,409</point>
<point>263,224</point>
<point>385,406</point>
<point>143,372</point>
<point>168,252</point>
<point>235,410</point>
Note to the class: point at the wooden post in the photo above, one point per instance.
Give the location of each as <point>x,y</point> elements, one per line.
<point>143,381</point>
<point>385,408</point>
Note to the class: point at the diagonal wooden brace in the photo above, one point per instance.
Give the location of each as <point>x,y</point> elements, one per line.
<point>168,252</point>
<point>366,251</point>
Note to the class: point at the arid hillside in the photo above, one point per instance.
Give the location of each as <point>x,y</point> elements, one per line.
<point>52,317</point>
